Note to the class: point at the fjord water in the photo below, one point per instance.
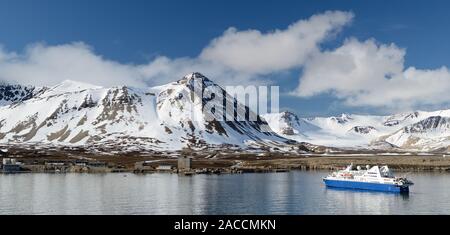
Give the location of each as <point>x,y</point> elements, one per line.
<point>297,192</point>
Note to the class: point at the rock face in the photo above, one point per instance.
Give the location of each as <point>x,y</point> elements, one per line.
<point>428,134</point>
<point>16,93</point>
<point>168,117</point>
<point>363,129</point>
<point>343,119</point>
<point>292,123</point>
<point>398,119</point>
<point>288,124</point>
<point>431,124</point>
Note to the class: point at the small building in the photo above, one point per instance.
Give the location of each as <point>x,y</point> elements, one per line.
<point>81,163</point>
<point>56,166</point>
<point>98,167</point>
<point>98,164</point>
<point>145,166</point>
<point>164,167</point>
<point>11,168</point>
<point>184,163</point>
<point>10,165</point>
<point>8,161</point>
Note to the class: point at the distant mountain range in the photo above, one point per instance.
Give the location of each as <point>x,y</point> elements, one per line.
<point>420,130</point>
<point>160,118</point>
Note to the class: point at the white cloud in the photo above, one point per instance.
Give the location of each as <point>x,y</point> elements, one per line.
<point>236,57</point>
<point>163,70</point>
<point>257,53</point>
<point>372,74</point>
<point>48,65</point>
<point>359,73</point>
<point>41,64</point>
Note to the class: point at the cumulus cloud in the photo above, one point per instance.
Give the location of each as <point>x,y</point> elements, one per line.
<point>372,74</point>
<point>47,65</point>
<point>163,70</point>
<point>236,57</point>
<point>359,73</point>
<point>257,53</point>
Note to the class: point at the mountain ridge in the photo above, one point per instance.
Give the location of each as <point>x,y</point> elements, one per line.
<point>172,117</point>
<point>415,131</point>
<point>168,117</point>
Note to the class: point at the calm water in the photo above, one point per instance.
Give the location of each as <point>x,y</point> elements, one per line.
<point>299,192</point>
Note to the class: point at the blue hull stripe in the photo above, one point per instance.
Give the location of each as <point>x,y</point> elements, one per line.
<point>365,186</point>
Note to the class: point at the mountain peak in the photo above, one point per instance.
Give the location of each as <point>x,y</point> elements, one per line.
<point>196,77</point>
<point>71,86</point>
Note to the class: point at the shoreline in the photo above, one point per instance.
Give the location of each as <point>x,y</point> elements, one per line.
<point>225,163</point>
<point>331,163</point>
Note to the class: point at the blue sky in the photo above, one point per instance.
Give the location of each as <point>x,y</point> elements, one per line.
<point>136,32</point>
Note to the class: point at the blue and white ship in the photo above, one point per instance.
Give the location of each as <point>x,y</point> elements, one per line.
<point>375,178</point>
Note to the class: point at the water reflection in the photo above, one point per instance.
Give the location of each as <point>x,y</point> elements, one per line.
<point>278,193</point>
<point>364,202</point>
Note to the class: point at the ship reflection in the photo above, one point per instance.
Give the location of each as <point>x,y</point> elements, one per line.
<point>404,195</point>
<point>366,202</point>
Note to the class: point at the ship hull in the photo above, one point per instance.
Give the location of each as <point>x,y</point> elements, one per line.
<point>365,186</point>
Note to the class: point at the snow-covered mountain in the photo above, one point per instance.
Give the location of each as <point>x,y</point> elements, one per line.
<point>167,117</point>
<point>418,130</point>
<point>427,134</point>
<point>172,117</point>
<point>288,124</point>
